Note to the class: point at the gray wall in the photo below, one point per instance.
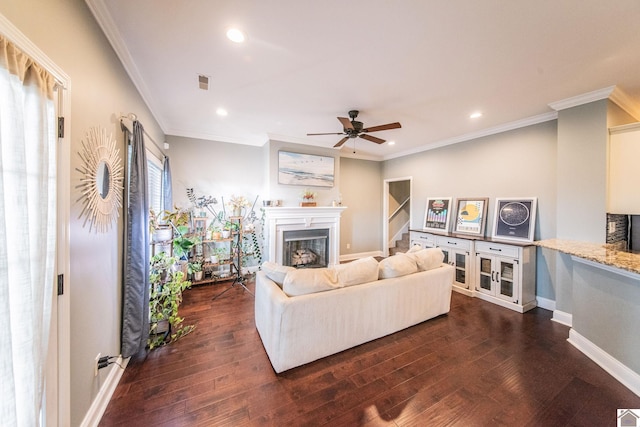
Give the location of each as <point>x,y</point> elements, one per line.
<point>100,89</point>
<point>220,169</point>
<point>290,194</point>
<point>518,163</point>
<point>606,312</point>
<point>215,169</point>
<point>582,161</point>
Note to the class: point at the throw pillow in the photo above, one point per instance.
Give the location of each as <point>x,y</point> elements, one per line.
<point>396,266</point>
<point>356,272</point>
<point>276,272</point>
<point>427,259</point>
<point>304,281</point>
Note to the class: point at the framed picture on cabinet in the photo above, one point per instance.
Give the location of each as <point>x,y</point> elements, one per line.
<point>515,219</point>
<point>437,214</point>
<point>471,215</point>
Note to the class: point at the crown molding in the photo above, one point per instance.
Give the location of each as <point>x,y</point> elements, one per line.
<point>103,18</point>
<point>585,98</point>
<point>613,93</point>
<point>529,121</point>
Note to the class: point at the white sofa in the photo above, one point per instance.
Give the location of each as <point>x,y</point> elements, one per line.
<point>299,329</point>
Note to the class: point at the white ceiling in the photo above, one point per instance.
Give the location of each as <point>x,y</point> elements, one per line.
<point>426,64</point>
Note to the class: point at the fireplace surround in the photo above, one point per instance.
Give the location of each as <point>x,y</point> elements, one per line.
<point>279,220</point>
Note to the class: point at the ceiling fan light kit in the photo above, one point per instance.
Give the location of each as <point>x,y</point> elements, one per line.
<point>355,129</point>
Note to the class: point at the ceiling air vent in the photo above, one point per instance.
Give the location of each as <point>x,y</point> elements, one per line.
<point>203,82</point>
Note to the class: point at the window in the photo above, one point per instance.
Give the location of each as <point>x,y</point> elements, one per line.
<point>154,182</point>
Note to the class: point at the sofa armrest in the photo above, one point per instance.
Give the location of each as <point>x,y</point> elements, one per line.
<point>270,302</point>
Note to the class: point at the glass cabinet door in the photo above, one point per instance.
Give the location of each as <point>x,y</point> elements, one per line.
<point>507,274</point>
<point>485,274</point>
<point>461,267</point>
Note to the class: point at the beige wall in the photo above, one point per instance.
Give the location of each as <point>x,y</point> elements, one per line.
<point>361,224</point>
<point>100,89</point>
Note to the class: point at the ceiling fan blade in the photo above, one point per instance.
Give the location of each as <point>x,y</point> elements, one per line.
<point>388,126</point>
<point>346,123</point>
<point>342,141</point>
<point>372,139</point>
<point>331,133</point>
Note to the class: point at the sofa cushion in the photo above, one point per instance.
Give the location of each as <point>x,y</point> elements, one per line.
<point>276,272</point>
<point>356,272</point>
<point>427,259</point>
<point>396,266</point>
<point>304,281</point>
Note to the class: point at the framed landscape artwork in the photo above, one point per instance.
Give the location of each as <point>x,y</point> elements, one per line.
<point>305,169</point>
<point>471,216</point>
<point>515,219</point>
<point>437,214</point>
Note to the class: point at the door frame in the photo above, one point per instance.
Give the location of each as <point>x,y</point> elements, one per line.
<point>385,209</point>
<point>57,367</point>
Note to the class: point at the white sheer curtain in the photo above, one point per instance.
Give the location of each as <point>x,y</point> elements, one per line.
<point>27,232</point>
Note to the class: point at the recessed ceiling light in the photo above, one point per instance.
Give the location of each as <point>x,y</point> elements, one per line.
<point>222,112</point>
<point>235,35</point>
<point>391,143</point>
<point>475,115</point>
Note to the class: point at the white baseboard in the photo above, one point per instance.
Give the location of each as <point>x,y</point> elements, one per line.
<point>615,368</point>
<point>351,257</point>
<point>547,304</point>
<point>96,410</point>
<point>562,317</point>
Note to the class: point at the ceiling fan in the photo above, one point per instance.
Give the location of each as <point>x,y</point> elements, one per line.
<point>355,129</point>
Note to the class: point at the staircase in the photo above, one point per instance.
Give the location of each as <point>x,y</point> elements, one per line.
<point>402,245</point>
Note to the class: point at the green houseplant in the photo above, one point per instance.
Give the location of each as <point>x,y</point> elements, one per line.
<point>195,268</point>
<point>165,325</point>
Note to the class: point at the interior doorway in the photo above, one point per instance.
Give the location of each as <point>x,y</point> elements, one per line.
<point>396,212</point>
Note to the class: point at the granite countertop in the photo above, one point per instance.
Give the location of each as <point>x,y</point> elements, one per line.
<point>597,252</point>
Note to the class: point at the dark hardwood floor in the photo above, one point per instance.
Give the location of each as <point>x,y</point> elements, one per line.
<point>479,365</point>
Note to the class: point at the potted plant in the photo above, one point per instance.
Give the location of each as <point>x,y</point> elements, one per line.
<point>223,254</point>
<point>165,325</point>
<point>236,204</point>
<point>195,269</point>
<point>159,229</point>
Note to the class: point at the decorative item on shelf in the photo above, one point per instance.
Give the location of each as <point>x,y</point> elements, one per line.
<point>437,214</point>
<point>236,204</point>
<point>308,198</point>
<point>102,180</point>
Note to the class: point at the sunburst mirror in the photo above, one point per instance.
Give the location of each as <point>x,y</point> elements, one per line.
<point>101,182</point>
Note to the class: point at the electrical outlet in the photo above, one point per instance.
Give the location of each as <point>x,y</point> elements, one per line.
<point>612,227</point>
<point>348,245</point>
<point>95,365</point>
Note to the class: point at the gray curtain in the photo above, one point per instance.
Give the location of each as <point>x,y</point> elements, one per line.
<point>167,191</point>
<point>135,298</point>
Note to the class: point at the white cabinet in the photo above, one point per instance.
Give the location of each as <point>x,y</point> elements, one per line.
<point>502,273</point>
<point>505,274</point>
<point>424,240</point>
<point>457,252</point>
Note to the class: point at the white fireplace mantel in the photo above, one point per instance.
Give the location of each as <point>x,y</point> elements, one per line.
<point>281,219</point>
